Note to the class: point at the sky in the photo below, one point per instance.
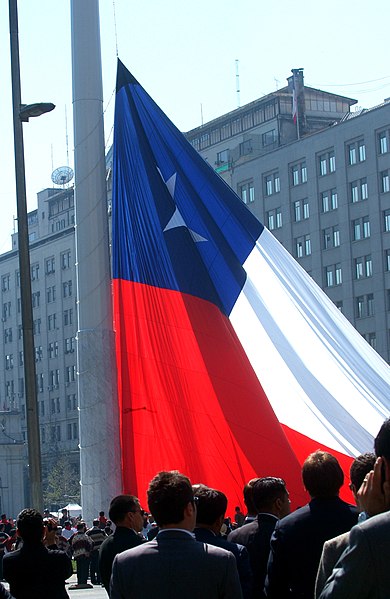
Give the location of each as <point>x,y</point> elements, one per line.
<point>185,56</point>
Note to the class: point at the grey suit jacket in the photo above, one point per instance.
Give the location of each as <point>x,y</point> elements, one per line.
<point>363,570</point>
<point>175,566</point>
<point>331,554</point>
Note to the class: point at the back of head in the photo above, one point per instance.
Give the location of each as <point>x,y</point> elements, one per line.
<point>80,527</point>
<point>168,495</point>
<point>265,492</point>
<point>361,466</point>
<point>120,506</point>
<point>211,504</point>
<point>382,441</point>
<point>95,522</point>
<point>322,475</point>
<point>30,525</point>
<point>248,496</point>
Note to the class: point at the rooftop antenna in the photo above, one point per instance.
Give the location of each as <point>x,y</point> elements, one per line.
<point>66,138</point>
<point>201,113</point>
<point>237,84</point>
<point>276,83</point>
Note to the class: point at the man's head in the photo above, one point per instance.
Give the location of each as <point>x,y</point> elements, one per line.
<point>95,522</point>
<point>30,526</point>
<point>361,466</point>
<point>171,500</point>
<point>248,497</point>
<point>322,475</point>
<point>210,508</point>
<point>126,511</point>
<point>382,441</point>
<point>271,496</point>
<point>67,525</point>
<point>80,526</point>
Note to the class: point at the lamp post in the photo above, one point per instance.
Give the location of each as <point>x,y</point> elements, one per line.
<point>21,113</point>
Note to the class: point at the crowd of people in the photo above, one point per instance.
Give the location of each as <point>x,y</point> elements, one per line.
<point>185,547</point>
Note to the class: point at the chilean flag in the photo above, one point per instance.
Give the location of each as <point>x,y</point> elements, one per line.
<point>232,363</point>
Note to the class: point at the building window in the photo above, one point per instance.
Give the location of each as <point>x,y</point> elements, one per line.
<point>71,402</point>
<point>246,147</point>
<point>37,326</point>
<point>360,228</point>
<point>246,191</point>
<point>333,275</point>
<point>50,265</point>
<point>364,305</point>
<point>301,210</point>
<point>6,310</point>
<point>53,349</point>
<point>52,322</point>
<point>363,267</point>
<point>38,353</point>
<point>384,181</point>
<point>5,283</point>
<point>65,259</point>
<point>271,183</point>
<point>40,382</point>
<point>222,157</point>
<point>386,220</point>
<point>68,317</point>
<point>298,173</point>
<point>70,374</point>
<point>331,237</point>
<point>9,361</point>
<point>359,190</point>
<point>387,260</point>
<point>329,200</point>
<point>274,219</point>
<point>302,246</point>
<point>35,272</point>
<point>383,142</point>
<point>51,294</point>
<point>356,152</point>
<point>268,138</point>
<point>7,335</point>
<point>327,163</point>
<point>67,289</point>
<point>35,298</point>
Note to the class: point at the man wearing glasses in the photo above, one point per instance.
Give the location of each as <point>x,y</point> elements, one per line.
<point>128,517</point>
<point>174,565</point>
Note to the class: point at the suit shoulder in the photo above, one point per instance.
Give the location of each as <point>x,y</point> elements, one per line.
<point>338,541</point>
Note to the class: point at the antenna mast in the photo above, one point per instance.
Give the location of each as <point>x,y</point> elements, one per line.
<point>237,84</point>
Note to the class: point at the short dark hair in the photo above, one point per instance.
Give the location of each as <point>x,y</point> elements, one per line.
<point>168,495</point>
<point>322,474</point>
<point>382,441</point>
<point>248,496</point>
<point>30,525</point>
<point>361,466</point>
<point>80,526</point>
<point>120,506</point>
<point>211,504</point>
<point>266,490</point>
<point>95,522</point>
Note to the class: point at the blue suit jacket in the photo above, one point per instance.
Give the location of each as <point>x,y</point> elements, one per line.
<point>297,543</point>
<point>240,553</point>
<point>363,571</point>
<point>175,566</point>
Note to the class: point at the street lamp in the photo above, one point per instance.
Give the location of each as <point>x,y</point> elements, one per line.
<point>22,113</point>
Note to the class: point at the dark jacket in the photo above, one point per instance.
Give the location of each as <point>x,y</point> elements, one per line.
<point>122,539</point>
<point>240,553</point>
<point>297,543</point>
<point>35,572</point>
<point>256,536</point>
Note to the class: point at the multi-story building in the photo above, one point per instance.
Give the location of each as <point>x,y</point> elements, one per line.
<point>325,196</point>
<point>52,257</point>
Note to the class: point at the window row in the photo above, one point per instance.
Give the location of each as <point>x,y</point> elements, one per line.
<point>52,434</point>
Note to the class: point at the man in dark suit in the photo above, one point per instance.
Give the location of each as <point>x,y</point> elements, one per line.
<point>271,502</point>
<point>333,548</point>
<point>35,572</point>
<point>174,565</point>
<point>297,541</point>
<point>127,515</point>
<point>362,571</point>
<point>210,513</point>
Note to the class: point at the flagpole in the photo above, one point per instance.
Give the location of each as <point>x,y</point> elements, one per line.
<point>295,99</point>
<point>100,462</point>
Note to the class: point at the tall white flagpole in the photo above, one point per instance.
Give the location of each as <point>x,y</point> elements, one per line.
<point>100,461</point>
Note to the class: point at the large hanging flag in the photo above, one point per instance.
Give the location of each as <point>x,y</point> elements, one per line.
<point>232,362</point>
